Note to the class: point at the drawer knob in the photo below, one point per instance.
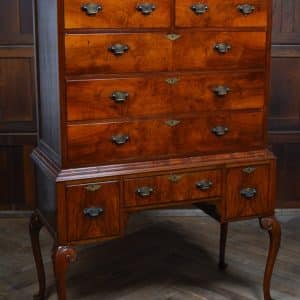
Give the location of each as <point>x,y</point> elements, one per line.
<point>91,9</point>
<point>248,193</point>
<point>93,212</point>
<point>204,185</point>
<point>199,8</point>
<point>145,191</point>
<point>222,48</point>
<point>220,130</point>
<point>221,90</point>
<point>120,139</point>
<point>119,96</point>
<point>118,49</point>
<point>246,9</point>
<point>146,8</point>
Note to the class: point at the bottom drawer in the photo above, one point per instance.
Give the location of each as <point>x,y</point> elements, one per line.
<point>248,191</point>
<point>172,187</point>
<point>92,210</point>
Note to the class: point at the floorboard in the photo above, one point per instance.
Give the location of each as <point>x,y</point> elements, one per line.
<point>161,258</point>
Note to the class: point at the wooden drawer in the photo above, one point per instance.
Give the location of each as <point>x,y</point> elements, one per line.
<point>247,191</point>
<point>152,95</point>
<point>220,13</point>
<point>172,188</point>
<point>117,14</point>
<point>92,210</point>
<point>164,137</point>
<point>150,52</point>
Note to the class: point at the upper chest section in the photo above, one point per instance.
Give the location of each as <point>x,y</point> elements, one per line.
<point>135,14</point>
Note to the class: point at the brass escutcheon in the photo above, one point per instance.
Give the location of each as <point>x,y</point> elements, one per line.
<point>172,81</point>
<point>249,170</point>
<point>174,178</point>
<point>172,123</point>
<point>93,187</point>
<point>173,36</point>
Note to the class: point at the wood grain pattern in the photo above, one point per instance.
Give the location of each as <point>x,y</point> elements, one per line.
<point>92,99</point>
<point>151,52</point>
<point>221,14</point>
<point>154,138</point>
<point>117,14</point>
<point>239,206</point>
<point>80,226</point>
<point>167,189</point>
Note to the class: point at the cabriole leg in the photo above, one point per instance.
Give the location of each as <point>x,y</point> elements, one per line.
<point>35,227</point>
<point>273,227</point>
<point>62,256</point>
<point>223,239</point>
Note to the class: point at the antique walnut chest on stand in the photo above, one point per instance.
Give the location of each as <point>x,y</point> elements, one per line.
<point>150,104</point>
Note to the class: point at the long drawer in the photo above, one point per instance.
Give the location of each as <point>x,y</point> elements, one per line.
<point>117,14</point>
<point>162,95</point>
<point>134,140</point>
<point>172,188</point>
<point>220,13</point>
<point>151,52</point>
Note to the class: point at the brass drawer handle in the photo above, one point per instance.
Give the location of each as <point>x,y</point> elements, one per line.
<point>220,130</point>
<point>173,36</point>
<point>246,9</point>
<point>146,8</point>
<point>119,96</point>
<point>93,187</point>
<point>145,191</point>
<point>91,9</point>
<point>222,48</point>
<point>248,193</point>
<point>93,212</point>
<point>221,90</point>
<point>118,49</point>
<point>204,185</point>
<point>199,8</point>
<point>120,139</point>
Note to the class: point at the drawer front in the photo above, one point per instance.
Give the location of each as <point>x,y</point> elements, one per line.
<point>146,96</point>
<point>220,13</point>
<point>135,140</point>
<point>171,188</point>
<point>93,210</point>
<point>247,191</point>
<point>149,52</point>
<point>117,14</point>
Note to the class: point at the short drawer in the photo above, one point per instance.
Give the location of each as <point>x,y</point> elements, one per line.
<point>172,187</point>
<point>161,95</point>
<point>117,14</point>
<point>220,13</point>
<point>156,52</point>
<point>247,191</point>
<point>93,210</point>
<point>218,132</point>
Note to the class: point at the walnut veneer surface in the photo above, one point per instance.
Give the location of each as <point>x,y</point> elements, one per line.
<point>147,105</point>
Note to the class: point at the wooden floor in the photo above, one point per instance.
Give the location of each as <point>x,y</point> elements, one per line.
<point>172,258</point>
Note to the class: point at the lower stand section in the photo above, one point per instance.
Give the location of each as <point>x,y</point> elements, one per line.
<point>63,255</point>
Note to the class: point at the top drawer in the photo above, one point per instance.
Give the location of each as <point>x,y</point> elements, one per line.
<point>220,13</point>
<point>117,14</point>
